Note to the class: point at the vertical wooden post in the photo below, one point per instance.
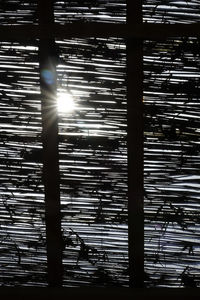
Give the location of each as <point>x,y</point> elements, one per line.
<point>51,180</point>
<point>135,148</point>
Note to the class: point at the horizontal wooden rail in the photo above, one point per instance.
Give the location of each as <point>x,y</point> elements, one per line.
<point>82,30</point>
<point>16,293</point>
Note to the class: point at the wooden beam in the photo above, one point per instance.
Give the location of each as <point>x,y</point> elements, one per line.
<point>147,31</point>
<point>51,180</point>
<point>91,293</point>
<point>23,33</point>
<point>135,148</point>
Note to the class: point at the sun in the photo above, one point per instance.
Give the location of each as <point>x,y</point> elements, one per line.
<point>65,102</point>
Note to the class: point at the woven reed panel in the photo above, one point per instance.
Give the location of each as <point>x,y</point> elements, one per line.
<point>93,162</point>
<point>22,228</point>
<point>113,11</point>
<point>171,11</point>
<point>18,12</point>
<point>172,161</point>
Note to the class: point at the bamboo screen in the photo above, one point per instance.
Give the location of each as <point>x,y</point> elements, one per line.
<point>93,10</point>
<point>171,11</point>
<point>14,12</point>
<point>22,226</point>
<point>172,115</point>
<point>93,159</point>
<point>93,150</point>
<point>93,162</point>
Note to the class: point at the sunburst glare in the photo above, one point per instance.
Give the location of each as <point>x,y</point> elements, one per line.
<point>65,102</point>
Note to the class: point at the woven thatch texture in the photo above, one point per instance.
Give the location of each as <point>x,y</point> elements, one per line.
<point>90,10</point>
<point>171,11</point>
<point>22,230</point>
<point>18,12</point>
<point>94,162</point>
<point>172,211</point>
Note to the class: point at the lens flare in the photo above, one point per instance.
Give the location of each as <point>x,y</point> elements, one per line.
<point>48,77</point>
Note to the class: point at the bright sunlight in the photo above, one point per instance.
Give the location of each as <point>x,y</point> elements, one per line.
<point>65,102</point>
